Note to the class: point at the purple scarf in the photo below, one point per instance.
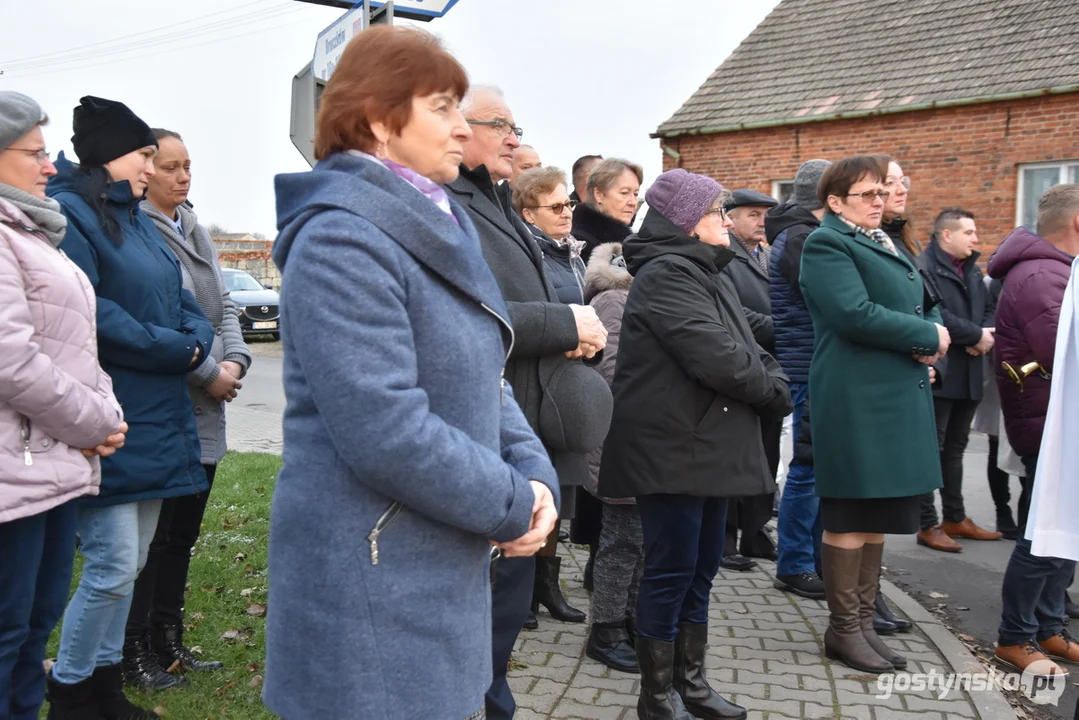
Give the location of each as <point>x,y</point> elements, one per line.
<point>431,190</point>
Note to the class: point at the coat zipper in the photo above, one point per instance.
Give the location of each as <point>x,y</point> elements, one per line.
<point>28,458</point>
<point>387,518</point>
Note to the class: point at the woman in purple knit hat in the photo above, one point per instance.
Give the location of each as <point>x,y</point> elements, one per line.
<point>689,390</point>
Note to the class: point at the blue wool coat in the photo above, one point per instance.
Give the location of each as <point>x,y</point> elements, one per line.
<point>404,454</point>
<point>148,327</point>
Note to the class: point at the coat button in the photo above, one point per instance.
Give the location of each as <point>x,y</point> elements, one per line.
<point>918,309</point>
<point>724,409</point>
<point>910,276</point>
<point>45,443</point>
<point>198,410</point>
<point>921,384</point>
<point>219,331</point>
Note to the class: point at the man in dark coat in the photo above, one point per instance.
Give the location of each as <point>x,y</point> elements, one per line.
<point>748,271</point>
<point>545,332</point>
<point>951,263</point>
<point>787,226</point>
<point>1036,270</point>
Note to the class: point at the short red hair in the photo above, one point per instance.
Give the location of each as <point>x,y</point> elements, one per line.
<point>381,71</point>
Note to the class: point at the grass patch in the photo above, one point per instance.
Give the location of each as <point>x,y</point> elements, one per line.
<point>226,598</point>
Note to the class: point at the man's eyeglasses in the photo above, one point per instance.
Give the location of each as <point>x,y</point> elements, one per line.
<point>557,208</point>
<point>904,181</point>
<point>868,195</point>
<point>722,213</point>
<point>501,127</point>
<point>42,155</point>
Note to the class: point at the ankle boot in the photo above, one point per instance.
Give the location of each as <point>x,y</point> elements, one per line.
<point>658,700</point>
<point>169,645</point>
<point>1006,523</point>
<point>844,640</point>
<point>885,613</point>
<point>548,592</point>
<point>689,681</point>
<point>142,667</point>
<point>608,643</point>
<point>112,704</point>
<point>868,581</point>
<point>70,702</point>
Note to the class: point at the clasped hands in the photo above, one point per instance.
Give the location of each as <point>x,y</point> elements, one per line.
<point>985,344</point>
<point>112,443</point>
<point>944,341</point>
<point>544,517</point>
<point>227,383</point>
<point>590,332</point>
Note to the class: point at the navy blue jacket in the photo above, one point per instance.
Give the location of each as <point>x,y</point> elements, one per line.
<point>148,327</point>
<point>564,272</point>
<point>787,226</point>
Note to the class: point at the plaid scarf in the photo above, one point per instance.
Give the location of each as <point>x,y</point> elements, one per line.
<point>876,235</point>
<point>760,257</point>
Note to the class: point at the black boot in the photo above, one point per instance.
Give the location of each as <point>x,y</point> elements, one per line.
<point>71,702</point>
<point>109,696</point>
<point>608,643</point>
<point>531,623</point>
<point>689,681</point>
<point>1006,523</point>
<point>589,567</point>
<point>882,611</point>
<point>142,667</point>
<point>170,648</point>
<point>658,701</point>
<point>548,592</point>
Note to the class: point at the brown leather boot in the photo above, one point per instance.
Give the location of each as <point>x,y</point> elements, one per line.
<point>868,577</point>
<point>937,539</point>
<point>967,529</point>
<point>1027,658</point>
<point>844,640</point>
<point>1061,647</point>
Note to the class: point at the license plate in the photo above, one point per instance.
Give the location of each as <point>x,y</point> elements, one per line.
<point>264,325</point>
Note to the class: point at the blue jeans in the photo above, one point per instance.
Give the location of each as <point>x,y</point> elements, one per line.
<point>1033,588</point>
<point>35,576</point>
<point>683,546</point>
<point>799,525</point>
<point>115,541</point>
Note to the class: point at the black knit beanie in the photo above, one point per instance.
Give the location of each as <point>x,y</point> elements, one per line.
<point>106,130</point>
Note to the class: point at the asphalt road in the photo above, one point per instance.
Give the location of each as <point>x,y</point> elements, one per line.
<point>971,580</point>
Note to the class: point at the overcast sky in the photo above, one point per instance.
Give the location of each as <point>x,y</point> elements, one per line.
<point>582,76</point>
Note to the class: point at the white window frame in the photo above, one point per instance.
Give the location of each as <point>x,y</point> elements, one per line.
<point>777,186</point>
<point>1062,167</point>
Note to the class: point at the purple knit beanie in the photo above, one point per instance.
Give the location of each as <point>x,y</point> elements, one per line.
<point>682,197</point>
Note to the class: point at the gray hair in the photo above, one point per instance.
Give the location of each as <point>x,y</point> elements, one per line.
<point>607,173</point>
<point>1057,208</point>
<point>469,100</point>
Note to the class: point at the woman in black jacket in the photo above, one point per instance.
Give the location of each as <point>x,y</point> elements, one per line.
<point>689,389</point>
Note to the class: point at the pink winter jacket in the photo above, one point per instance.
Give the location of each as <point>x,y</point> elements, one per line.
<point>54,397</point>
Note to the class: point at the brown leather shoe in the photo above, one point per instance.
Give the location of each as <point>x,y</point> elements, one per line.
<point>1061,647</point>
<point>937,539</point>
<point>1027,657</point>
<point>967,529</point>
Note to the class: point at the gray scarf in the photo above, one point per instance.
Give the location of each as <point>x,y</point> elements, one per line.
<point>196,253</point>
<point>45,214</point>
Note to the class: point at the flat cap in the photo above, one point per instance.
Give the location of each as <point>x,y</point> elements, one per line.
<point>749,198</point>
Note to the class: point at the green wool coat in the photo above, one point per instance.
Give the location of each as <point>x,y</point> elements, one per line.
<point>874,433</point>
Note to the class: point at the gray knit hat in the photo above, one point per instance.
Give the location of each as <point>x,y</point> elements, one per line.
<point>18,116</point>
<point>682,197</point>
<point>806,181</point>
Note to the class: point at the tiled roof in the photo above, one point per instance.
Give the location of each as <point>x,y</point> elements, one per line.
<point>820,59</point>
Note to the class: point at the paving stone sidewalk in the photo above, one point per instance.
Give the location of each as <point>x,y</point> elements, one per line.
<point>765,654</point>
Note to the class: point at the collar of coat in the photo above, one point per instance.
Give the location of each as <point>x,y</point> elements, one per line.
<point>834,222</point>
<point>659,237</point>
<point>594,224</point>
<point>944,265</point>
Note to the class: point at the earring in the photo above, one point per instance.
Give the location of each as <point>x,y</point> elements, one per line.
<point>380,151</point>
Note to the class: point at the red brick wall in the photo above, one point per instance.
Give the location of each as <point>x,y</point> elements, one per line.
<point>961,156</point>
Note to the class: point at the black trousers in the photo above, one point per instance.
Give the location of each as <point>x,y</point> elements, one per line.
<point>998,479</point>
<point>511,599</point>
<point>954,418</point>
<point>751,514</point>
<point>159,591</point>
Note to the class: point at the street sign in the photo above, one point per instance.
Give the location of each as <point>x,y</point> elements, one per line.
<point>426,8</point>
<point>333,40</point>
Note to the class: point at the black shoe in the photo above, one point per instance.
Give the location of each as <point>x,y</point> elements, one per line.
<point>882,611</point>
<point>759,546</point>
<point>1071,609</point>
<point>563,536</point>
<point>71,702</point>
<point>658,700</point>
<point>170,648</point>
<point>1006,524</point>
<point>112,704</point>
<point>882,626</point>
<point>808,585</point>
<point>762,554</point>
<point>609,644</point>
<point>589,567</point>
<point>531,623</point>
<point>548,592</point>
<point>689,681</point>
<point>142,668</point>
<point>737,562</point>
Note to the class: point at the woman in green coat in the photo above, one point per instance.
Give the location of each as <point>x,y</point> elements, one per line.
<point>874,436</point>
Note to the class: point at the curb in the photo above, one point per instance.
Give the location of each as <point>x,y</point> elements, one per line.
<point>988,705</point>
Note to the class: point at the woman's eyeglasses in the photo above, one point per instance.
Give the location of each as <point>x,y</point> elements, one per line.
<point>42,155</point>
<point>501,127</point>
<point>868,195</point>
<point>557,208</point>
<point>722,212</point>
<point>904,181</point>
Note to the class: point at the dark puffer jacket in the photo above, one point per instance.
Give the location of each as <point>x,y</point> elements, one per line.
<point>1035,275</point>
<point>563,265</point>
<point>690,383</point>
<point>787,227</point>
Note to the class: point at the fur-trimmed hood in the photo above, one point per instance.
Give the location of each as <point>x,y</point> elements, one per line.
<point>606,271</point>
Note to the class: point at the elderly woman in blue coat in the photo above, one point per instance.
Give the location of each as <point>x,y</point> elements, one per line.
<point>150,334</point>
<point>407,462</point>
